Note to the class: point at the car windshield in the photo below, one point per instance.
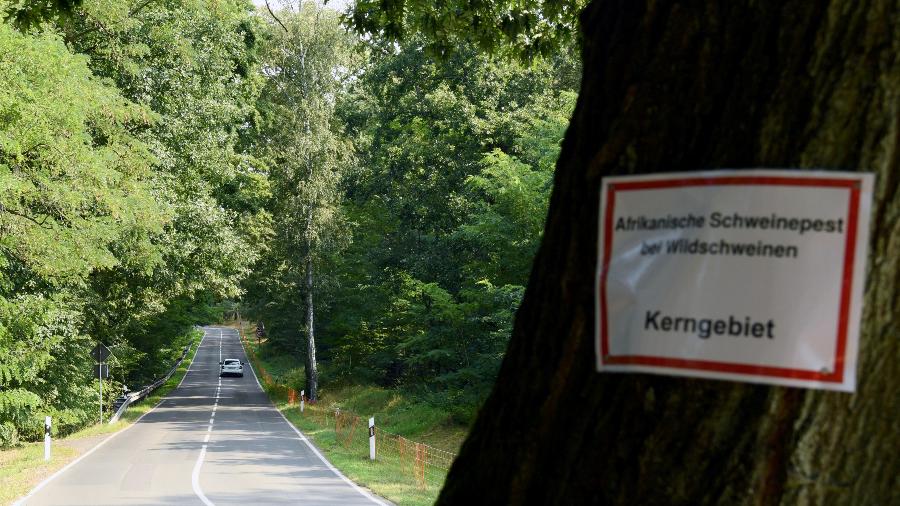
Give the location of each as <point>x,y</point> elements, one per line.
<point>232,362</point>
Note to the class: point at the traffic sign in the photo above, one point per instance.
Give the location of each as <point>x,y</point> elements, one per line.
<point>100,352</point>
<point>101,371</point>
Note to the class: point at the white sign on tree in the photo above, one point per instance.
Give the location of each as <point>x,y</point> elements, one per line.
<point>743,275</point>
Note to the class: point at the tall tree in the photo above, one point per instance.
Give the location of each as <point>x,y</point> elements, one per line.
<point>126,204</point>
<point>456,159</point>
<point>684,86</point>
<point>75,181</point>
<point>306,60</point>
<point>193,66</point>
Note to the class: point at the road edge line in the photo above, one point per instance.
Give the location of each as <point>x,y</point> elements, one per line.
<point>39,486</point>
<point>192,362</point>
<point>365,493</point>
<point>46,481</point>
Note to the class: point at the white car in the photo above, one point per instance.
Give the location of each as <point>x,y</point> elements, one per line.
<point>231,366</point>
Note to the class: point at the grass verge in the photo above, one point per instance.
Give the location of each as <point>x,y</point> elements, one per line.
<point>390,476</point>
<point>21,469</point>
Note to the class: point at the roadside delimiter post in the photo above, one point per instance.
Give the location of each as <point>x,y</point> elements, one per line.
<point>372,438</point>
<point>47,423</point>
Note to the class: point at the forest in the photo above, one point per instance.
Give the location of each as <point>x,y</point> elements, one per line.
<point>166,162</point>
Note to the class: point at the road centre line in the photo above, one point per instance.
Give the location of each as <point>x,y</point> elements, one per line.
<point>195,479</point>
<point>195,475</point>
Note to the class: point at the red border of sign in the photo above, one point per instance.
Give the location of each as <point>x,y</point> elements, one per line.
<point>837,374</point>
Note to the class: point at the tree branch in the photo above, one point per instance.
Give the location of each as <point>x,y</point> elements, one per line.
<point>275,17</point>
<point>131,13</point>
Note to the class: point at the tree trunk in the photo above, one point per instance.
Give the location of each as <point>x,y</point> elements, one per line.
<point>677,86</point>
<point>312,372</point>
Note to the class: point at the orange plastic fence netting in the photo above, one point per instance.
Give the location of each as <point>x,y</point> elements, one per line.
<point>419,463</point>
<point>426,464</point>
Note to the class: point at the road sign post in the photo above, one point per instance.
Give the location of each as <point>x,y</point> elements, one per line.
<point>260,332</point>
<point>47,423</point>
<point>302,399</point>
<point>101,370</point>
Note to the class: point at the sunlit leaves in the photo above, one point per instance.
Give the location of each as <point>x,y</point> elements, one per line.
<point>72,174</point>
<point>127,198</point>
<point>523,28</point>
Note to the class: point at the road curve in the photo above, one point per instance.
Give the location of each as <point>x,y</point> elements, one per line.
<point>211,441</point>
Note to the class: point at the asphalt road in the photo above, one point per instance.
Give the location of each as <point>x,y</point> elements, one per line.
<point>210,441</point>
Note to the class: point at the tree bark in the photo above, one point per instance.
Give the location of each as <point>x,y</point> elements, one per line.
<point>678,86</point>
<point>312,372</point>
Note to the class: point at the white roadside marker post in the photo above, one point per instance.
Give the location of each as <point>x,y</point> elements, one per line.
<point>47,422</point>
<point>302,397</point>
<point>101,392</point>
<point>372,438</point>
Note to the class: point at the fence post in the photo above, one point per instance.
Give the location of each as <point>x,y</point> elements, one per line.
<point>302,399</point>
<point>47,423</point>
<point>372,438</point>
<point>420,464</point>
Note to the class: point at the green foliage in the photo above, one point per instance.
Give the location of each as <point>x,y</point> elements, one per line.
<point>129,202</point>
<point>307,58</point>
<point>39,352</point>
<point>524,28</point>
<point>154,155</point>
<point>191,65</point>
<point>450,207</point>
<point>73,176</point>
<point>447,208</point>
<point>26,14</point>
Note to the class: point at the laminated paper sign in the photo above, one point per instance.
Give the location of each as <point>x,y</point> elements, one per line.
<point>740,275</point>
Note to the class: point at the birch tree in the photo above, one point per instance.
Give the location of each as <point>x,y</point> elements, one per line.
<point>306,61</point>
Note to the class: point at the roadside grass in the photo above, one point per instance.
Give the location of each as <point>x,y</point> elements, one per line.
<point>386,478</point>
<point>21,469</point>
<point>393,411</point>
